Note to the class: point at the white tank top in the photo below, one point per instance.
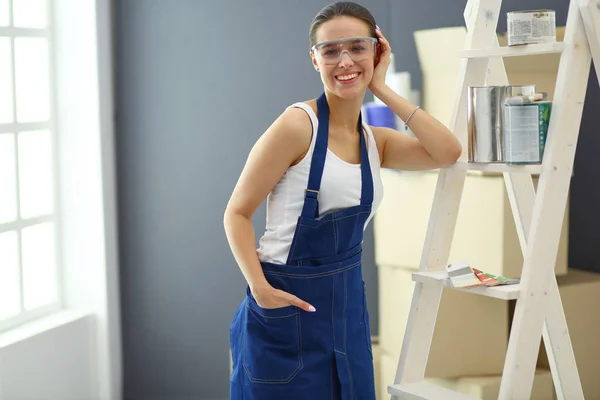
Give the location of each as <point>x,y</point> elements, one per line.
<point>340,188</point>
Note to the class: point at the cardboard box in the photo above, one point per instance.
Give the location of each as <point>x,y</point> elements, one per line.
<point>482,387</point>
<point>437,50</point>
<point>488,387</point>
<point>580,295</point>
<point>465,325</point>
<point>485,233</point>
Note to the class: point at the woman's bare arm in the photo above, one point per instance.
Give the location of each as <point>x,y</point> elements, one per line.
<point>284,142</point>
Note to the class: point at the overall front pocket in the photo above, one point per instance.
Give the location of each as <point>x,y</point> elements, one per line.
<point>271,344</point>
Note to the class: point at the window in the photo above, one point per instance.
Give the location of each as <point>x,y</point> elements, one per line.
<point>29,243</point>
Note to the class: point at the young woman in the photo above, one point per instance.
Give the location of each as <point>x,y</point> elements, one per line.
<point>302,331</point>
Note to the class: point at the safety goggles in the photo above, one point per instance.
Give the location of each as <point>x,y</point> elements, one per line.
<point>358,48</point>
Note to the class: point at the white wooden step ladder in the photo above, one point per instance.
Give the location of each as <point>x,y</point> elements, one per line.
<point>538,214</point>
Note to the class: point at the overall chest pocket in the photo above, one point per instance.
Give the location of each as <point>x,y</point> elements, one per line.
<point>335,233</point>
<point>272,350</point>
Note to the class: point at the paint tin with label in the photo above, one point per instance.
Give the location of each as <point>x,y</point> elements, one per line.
<point>525,129</point>
<point>531,27</point>
<point>484,120</point>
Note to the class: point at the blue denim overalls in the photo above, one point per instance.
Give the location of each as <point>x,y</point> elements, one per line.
<point>290,354</point>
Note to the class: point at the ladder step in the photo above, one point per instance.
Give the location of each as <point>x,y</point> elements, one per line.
<point>497,167</point>
<point>505,292</point>
<point>425,391</point>
<point>514,51</point>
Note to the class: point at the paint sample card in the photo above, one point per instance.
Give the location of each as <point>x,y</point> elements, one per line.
<point>462,275</point>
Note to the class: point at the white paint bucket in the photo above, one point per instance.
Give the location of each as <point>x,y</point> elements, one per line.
<point>531,27</point>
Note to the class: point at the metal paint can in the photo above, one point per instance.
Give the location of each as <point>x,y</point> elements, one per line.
<point>531,27</point>
<point>484,120</point>
<point>525,130</point>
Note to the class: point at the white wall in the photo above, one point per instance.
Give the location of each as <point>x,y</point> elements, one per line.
<point>75,354</point>
<point>56,363</point>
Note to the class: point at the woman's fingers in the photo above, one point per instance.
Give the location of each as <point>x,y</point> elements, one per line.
<point>383,41</point>
<point>295,301</point>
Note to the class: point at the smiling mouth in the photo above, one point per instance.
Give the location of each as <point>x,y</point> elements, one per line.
<point>347,78</point>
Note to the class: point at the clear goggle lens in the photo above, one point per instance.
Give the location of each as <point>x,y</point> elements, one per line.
<point>358,49</point>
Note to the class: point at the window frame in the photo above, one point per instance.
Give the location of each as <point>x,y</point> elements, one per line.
<point>14,128</point>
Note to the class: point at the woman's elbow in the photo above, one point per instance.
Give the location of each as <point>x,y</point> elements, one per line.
<point>452,154</point>
<point>233,214</point>
<point>455,152</point>
<point>228,215</point>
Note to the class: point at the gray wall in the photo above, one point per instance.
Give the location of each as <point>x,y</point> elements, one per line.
<point>197,83</point>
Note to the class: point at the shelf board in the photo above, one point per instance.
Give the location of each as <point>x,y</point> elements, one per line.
<point>514,51</point>
<point>497,167</point>
<point>505,292</point>
<point>425,391</point>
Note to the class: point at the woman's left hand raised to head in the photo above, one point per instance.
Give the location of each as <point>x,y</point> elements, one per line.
<point>384,51</point>
<point>433,145</point>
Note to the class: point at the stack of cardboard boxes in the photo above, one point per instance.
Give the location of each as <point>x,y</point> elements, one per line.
<point>472,331</point>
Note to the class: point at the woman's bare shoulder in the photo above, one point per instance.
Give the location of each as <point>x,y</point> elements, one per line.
<point>294,127</point>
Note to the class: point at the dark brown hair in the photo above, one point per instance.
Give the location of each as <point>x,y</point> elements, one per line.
<point>342,8</point>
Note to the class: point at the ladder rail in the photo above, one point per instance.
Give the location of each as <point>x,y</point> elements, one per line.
<point>556,338</point>
<point>546,223</point>
<point>426,298</point>
<point>473,72</point>
<point>425,302</point>
<point>559,349</point>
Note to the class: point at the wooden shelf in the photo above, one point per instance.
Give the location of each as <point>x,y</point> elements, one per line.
<point>425,391</point>
<point>533,169</point>
<point>505,292</point>
<point>514,51</point>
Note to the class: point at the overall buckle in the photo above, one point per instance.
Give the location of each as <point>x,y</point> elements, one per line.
<point>313,191</point>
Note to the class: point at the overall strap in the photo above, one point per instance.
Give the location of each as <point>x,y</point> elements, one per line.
<point>311,198</point>
<point>317,164</point>
<point>366,195</point>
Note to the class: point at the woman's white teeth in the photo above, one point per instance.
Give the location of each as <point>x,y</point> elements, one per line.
<point>347,77</point>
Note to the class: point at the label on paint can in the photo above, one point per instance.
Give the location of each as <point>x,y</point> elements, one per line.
<point>525,128</point>
<point>531,27</point>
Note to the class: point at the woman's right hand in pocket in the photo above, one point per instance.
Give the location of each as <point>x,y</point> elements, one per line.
<point>268,297</point>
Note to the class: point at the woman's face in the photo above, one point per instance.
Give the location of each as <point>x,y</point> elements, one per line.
<point>346,67</point>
